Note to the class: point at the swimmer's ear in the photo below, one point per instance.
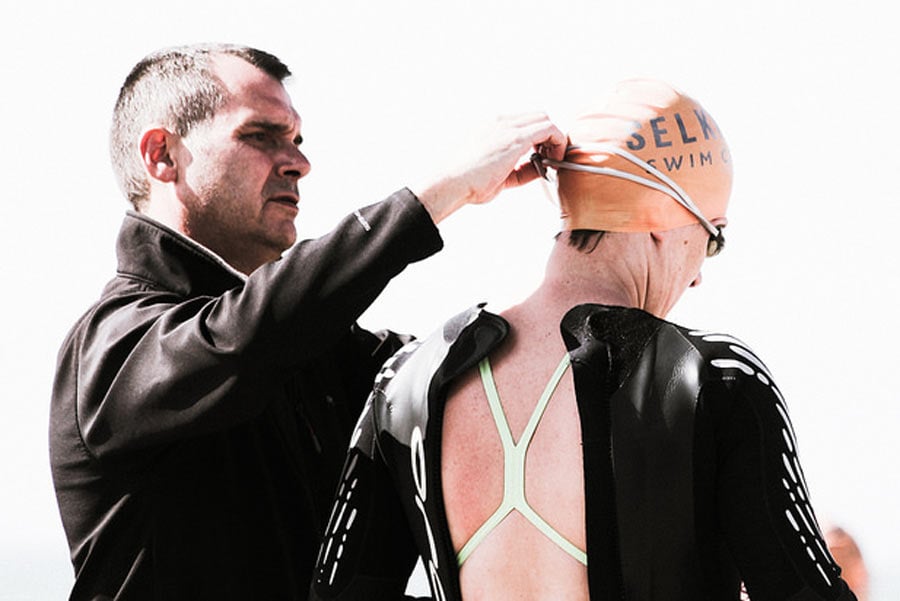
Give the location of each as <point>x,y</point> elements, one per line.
<point>156,148</point>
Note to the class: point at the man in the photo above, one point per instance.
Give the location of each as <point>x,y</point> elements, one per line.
<point>203,405</point>
<point>578,446</point>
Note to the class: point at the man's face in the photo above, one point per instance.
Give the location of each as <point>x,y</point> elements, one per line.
<point>238,172</point>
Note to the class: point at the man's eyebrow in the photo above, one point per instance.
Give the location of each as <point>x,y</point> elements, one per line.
<point>269,126</point>
<point>273,127</point>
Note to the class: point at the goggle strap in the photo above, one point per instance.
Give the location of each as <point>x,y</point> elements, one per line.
<point>665,185</point>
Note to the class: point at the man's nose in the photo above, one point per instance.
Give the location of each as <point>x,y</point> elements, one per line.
<point>294,164</point>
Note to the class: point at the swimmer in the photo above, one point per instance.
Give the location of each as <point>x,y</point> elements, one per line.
<point>577,445</point>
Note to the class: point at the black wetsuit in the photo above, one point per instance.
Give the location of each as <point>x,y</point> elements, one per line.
<point>692,484</point>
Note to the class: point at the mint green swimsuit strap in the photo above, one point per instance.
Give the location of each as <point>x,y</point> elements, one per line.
<point>514,466</point>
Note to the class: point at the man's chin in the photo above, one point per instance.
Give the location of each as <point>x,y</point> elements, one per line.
<point>282,235</point>
<point>284,242</point>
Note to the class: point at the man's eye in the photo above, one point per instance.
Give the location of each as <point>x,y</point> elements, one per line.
<point>259,137</point>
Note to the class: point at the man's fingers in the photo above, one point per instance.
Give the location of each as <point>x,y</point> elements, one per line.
<point>521,175</point>
<point>494,168</point>
<point>554,146</point>
<point>538,132</point>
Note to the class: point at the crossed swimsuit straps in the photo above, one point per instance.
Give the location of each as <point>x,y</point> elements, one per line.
<point>514,466</point>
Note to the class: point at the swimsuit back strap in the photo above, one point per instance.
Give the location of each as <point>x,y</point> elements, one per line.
<point>542,403</point>
<point>514,465</point>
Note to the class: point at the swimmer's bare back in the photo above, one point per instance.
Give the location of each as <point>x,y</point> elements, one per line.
<point>519,534</point>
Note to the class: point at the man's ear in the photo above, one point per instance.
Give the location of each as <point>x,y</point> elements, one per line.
<point>156,152</point>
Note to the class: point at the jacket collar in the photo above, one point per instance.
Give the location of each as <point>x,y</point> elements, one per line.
<point>150,251</point>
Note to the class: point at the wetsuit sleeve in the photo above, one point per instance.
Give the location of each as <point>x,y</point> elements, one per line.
<point>151,367</point>
<point>368,552</point>
<point>763,504</point>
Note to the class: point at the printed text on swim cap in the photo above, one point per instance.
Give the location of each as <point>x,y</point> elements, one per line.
<point>688,133</point>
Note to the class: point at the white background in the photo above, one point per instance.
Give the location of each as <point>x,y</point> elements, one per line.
<point>805,92</point>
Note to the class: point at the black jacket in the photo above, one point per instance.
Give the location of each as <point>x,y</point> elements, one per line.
<point>199,418</point>
<point>692,482</point>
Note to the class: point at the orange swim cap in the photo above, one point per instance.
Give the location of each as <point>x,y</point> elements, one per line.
<point>659,125</point>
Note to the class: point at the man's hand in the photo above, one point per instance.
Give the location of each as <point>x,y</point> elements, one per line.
<point>495,165</point>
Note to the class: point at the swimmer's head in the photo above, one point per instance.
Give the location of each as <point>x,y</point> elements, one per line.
<point>659,125</point>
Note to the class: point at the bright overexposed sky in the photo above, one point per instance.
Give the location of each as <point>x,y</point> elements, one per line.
<point>805,92</point>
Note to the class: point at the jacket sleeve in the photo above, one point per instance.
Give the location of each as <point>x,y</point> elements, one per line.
<point>763,503</point>
<point>149,367</point>
<point>368,552</point>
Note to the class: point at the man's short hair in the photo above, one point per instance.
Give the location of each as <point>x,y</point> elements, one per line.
<point>177,89</point>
